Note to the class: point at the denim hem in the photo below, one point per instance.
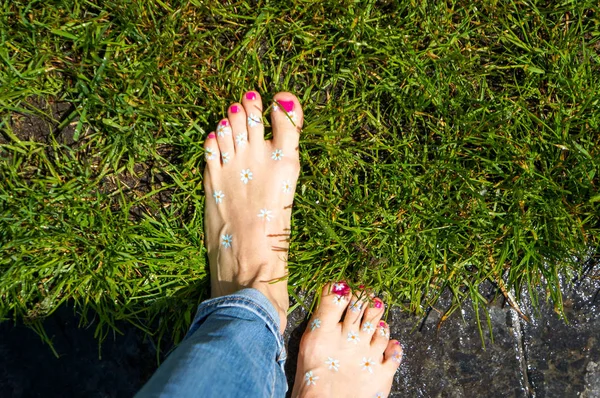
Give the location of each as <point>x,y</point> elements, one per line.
<point>251,300</point>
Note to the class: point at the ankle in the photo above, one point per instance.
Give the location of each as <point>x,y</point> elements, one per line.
<point>280,302</point>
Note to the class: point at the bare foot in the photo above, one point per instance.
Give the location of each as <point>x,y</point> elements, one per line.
<point>349,357</point>
<point>250,184</point>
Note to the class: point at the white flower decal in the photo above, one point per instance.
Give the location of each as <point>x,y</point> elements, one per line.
<point>277,154</point>
<point>353,337</point>
<point>397,357</point>
<point>379,395</point>
<point>292,116</point>
<point>253,120</point>
<point>338,300</point>
<point>315,324</point>
<point>368,327</point>
<point>209,153</point>
<point>225,157</point>
<point>241,139</point>
<point>355,306</point>
<point>222,130</point>
<point>383,332</point>
<point>367,364</point>
<point>309,378</point>
<point>218,195</point>
<point>226,240</point>
<point>287,187</point>
<point>265,214</point>
<point>275,107</point>
<point>246,176</point>
<point>333,364</point>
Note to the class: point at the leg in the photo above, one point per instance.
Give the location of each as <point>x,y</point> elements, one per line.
<point>234,345</point>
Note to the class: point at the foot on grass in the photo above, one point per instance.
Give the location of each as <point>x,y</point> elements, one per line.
<point>346,350</point>
<point>250,184</point>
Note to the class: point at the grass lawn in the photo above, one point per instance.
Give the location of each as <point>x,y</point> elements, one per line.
<point>446,144</point>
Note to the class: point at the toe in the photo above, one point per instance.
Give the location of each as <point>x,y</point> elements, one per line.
<point>286,119</point>
<point>212,155</point>
<point>253,107</point>
<point>355,311</point>
<point>372,316</point>
<point>225,141</point>
<point>334,302</point>
<point>392,357</point>
<point>239,132</point>
<point>381,338</point>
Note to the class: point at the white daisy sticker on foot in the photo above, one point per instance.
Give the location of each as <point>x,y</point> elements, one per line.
<point>380,395</point>
<point>223,130</point>
<point>310,379</point>
<point>218,195</point>
<point>246,176</point>
<point>292,116</point>
<point>338,300</point>
<point>275,107</point>
<point>253,120</point>
<point>397,357</point>
<point>265,214</point>
<point>355,306</point>
<point>209,154</point>
<point>353,337</point>
<point>368,327</point>
<point>277,154</point>
<point>287,187</point>
<point>225,157</point>
<point>367,364</point>
<point>333,364</point>
<point>315,324</point>
<point>383,332</point>
<point>241,139</point>
<point>226,240</point>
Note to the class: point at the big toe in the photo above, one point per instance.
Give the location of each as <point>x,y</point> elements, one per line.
<point>287,119</point>
<point>334,301</point>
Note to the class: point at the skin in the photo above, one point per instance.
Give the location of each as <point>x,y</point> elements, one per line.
<point>250,184</point>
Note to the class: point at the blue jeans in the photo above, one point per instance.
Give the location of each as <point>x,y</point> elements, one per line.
<point>232,349</point>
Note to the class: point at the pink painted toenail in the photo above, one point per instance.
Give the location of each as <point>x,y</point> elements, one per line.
<point>287,105</point>
<point>378,303</point>
<point>211,135</point>
<point>234,109</point>
<point>397,343</point>
<point>340,288</point>
<point>224,123</point>
<point>250,95</point>
<point>382,324</point>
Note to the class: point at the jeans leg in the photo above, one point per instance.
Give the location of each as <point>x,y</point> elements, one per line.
<point>233,349</point>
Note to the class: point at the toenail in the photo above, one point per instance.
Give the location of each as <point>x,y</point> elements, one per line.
<point>234,109</point>
<point>287,105</point>
<point>250,95</point>
<point>382,324</point>
<point>340,288</point>
<point>224,123</point>
<point>378,303</point>
<point>211,135</point>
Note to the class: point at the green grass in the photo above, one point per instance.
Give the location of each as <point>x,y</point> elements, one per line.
<point>446,144</point>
